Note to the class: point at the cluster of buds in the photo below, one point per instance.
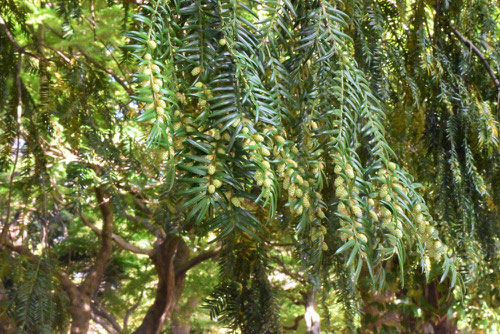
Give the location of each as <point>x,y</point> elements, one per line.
<point>207,94</point>
<point>318,235</point>
<point>154,84</point>
<point>349,207</point>
<point>259,152</point>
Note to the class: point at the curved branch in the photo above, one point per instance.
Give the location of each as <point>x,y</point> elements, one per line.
<point>295,323</point>
<point>119,240</point>
<point>91,282</point>
<point>196,261</point>
<point>480,55</point>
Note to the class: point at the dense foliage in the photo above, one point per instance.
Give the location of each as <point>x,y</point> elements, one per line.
<point>337,160</point>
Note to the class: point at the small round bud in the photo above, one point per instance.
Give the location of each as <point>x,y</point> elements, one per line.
<point>265,152</point>
<point>152,44</point>
<point>337,169</point>
<point>350,173</point>
<point>211,189</point>
<point>211,169</point>
<point>222,42</point>
<point>339,181</point>
<point>236,202</point>
<point>195,71</point>
<point>147,57</point>
<point>161,103</point>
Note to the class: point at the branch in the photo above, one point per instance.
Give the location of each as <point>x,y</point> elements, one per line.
<point>68,286</point>
<point>107,70</point>
<point>9,34</point>
<point>286,271</point>
<point>96,63</point>
<point>480,55</point>
<point>130,311</point>
<point>3,236</point>
<point>119,240</point>
<point>196,261</point>
<point>102,322</point>
<point>91,282</point>
<point>101,312</point>
<point>295,323</point>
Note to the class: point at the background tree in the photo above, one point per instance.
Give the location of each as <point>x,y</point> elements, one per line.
<point>338,159</point>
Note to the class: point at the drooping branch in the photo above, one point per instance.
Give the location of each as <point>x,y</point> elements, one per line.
<point>480,55</point>
<point>3,236</point>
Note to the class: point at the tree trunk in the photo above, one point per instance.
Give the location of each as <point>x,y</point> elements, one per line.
<point>80,314</point>
<point>312,317</point>
<point>181,328</point>
<point>181,317</point>
<point>169,255</point>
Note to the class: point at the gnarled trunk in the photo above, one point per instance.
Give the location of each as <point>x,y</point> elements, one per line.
<point>168,256</point>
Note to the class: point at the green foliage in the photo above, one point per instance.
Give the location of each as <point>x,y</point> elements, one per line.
<point>35,302</point>
<point>343,149</point>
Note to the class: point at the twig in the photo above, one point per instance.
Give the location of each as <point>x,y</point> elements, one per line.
<point>96,63</point>
<point>480,55</point>
<point>107,70</point>
<point>3,236</point>
<point>295,323</point>
<point>92,13</point>
<point>130,311</point>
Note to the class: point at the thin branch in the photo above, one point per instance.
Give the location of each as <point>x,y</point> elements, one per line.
<point>295,323</point>
<point>3,236</point>
<point>119,240</point>
<point>107,70</point>
<point>96,63</point>
<point>9,34</point>
<point>283,269</point>
<point>197,260</point>
<point>130,311</point>
<point>92,12</point>
<point>66,283</point>
<point>480,55</point>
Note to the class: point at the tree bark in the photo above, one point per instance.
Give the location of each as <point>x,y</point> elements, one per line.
<point>312,317</point>
<point>181,317</point>
<point>170,254</point>
<point>80,314</point>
